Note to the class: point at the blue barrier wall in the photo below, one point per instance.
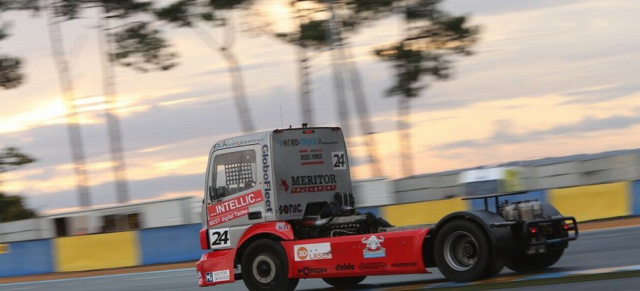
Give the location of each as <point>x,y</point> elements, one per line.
<point>635,197</point>
<point>27,258</point>
<point>540,195</point>
<point>170,244</point>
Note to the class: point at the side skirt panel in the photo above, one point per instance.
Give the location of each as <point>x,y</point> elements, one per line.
<point>386,253</point>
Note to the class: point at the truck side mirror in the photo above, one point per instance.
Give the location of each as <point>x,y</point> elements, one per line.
<point>213,195</point>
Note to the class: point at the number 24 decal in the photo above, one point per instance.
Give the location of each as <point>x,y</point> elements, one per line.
<point>219,238</point>
<point>339,160</point>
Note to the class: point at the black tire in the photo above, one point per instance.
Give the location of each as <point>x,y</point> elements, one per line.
<point>462,252</point>
<point>346,282</point>
<point>495,267</point>
<point>532,263</point>
<point>265,266</point>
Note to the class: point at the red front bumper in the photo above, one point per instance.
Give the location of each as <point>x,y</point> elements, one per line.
<point>216,268</point>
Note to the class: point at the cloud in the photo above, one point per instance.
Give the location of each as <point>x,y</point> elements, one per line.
<point>104,193</point>
<point>503,133</point>
<point>502,6</point>
<point>601,93</point>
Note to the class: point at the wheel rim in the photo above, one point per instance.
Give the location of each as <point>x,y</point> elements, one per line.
<point>264,269</point>
<point>461,251</point>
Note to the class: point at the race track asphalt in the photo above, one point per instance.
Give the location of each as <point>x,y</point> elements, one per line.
<point>593,250</point>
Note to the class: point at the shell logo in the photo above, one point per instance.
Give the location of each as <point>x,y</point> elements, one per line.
<point>302,253</point>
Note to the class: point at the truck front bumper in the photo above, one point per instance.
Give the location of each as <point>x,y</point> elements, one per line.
<point>216,268</point>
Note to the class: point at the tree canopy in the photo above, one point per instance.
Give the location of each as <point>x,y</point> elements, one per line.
<point>11,158</point>
<point>11,75</point>
<point>12,207</point>
<point>433,38</point>
<point>138,44</point>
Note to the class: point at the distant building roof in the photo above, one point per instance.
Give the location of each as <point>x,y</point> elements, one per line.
<point>73,210</point>
<point>537,162</point>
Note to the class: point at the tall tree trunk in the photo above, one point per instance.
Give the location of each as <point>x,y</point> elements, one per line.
<point>306,111</point>
<point>237,83</point>
<point>235,73</point>
<point>73,122</point>
<point>341,99</point>
<point>333,35</point>
<point>404,136</point>
<point>304,87</point>
<point>111,109</point>
<point>362,110</point>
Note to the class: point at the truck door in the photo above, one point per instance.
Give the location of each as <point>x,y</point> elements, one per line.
<point>236,198</point>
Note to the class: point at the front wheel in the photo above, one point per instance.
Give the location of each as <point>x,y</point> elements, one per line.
<point>347,282</point>
<point>264,267</point>
<point>462,251</point>
<point>536,262</point>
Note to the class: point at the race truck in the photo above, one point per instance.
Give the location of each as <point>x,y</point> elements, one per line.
<point>279,207</point>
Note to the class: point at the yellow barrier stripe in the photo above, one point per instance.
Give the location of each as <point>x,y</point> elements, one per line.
<point>593,202</point>
<point>422,212</point>
<point>99,251</point>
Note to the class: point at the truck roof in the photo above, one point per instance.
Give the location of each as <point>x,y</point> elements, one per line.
<point>255,138</point>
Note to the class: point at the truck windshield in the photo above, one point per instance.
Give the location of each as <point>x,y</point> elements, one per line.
<point>234,172</point>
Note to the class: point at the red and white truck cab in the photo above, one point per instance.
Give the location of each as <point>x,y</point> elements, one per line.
<point>279,207</point>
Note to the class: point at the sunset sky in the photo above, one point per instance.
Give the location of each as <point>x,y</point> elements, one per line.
<point>548,78</point>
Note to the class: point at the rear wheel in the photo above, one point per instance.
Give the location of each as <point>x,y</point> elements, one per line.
<point>536,262</point>
<point>347,282</point>
<point>264,267</point>
<point>462,252</point>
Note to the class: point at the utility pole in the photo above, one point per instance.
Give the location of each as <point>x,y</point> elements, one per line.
<point>73,122</point>
<point>343,65</point>
<point>234,69</point>
<point>333,35</point>
<point>111,109</point>
<point>304,84</point>
<point>363,113</point>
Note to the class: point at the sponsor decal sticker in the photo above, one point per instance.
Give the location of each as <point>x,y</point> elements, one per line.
<point>339,160</point>
<point>294,142</point>
<point>283,226</point>
<point>373,247</point>
<point>231,209</point>
<point>311,252</point>
<point>265,177</point>
<point>284,185</point>
<point>290,209</point>
<point>311,183</point>
<point>221,276</point>
<point>209,277</point>
<point>306,271</point>
<point>218,276</point>
<point>402,265</point>
<point>311,157</point>
<point>219,238</point>
<point>372,266</point>
<point>233,143</point>
<point>345,267</point>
